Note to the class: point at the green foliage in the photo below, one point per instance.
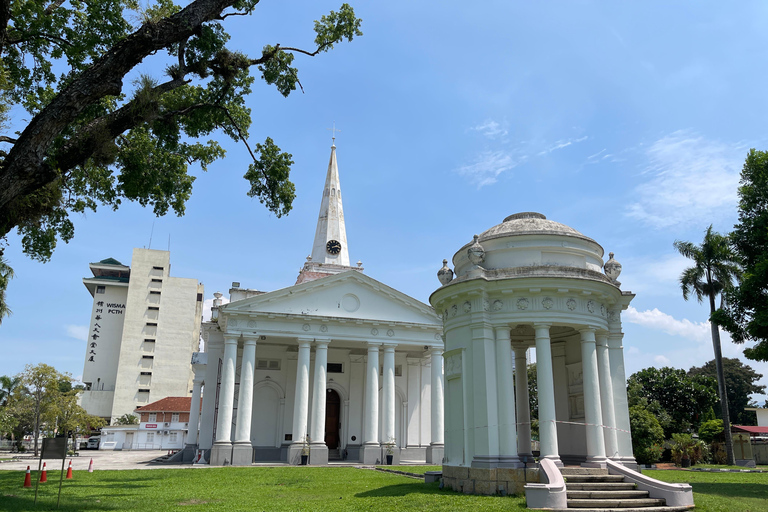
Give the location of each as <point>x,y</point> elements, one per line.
<point>741,382</point>
<point>711,430</point>
<point>675,398</point>
<point>105,145</point>
<point>647,435</point>
<point>684,446</point>
<point>745,314</point>
<point>127,419</point>
<point>6,274</point>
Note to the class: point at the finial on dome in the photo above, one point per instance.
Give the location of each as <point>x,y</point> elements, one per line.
<point>612,269</point>
<point>476,253</point>
<point>445,274</point>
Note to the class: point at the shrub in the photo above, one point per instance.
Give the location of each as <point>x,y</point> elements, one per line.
<point>647,435</point>
<point>711,430</point>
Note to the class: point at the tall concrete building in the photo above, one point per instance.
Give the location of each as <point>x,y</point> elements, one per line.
<point>144,327</point>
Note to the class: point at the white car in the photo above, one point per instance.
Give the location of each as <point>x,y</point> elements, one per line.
<point>93,442</point>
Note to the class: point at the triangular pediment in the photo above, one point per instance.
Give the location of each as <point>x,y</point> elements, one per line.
<point>350,295</point>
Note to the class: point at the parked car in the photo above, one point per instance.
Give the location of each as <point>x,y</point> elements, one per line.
<point>93,442</point>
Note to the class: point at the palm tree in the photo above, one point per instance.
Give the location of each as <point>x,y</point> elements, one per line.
<point>6,274</point>
<point>8,386</point>
<point>715,269</point>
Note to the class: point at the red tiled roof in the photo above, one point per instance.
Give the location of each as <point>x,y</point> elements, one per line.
<point>751,429</point>
<point>169,404</point>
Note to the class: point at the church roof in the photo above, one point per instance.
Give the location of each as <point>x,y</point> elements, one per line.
<point>530,223</point>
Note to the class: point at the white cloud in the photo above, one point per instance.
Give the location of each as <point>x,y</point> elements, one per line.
<point>491,129</point>
<point>561,144</point>
<point>662,360</point>
<point>78,332</point>
<point>207,304</point>
<point>655,319</point>
<point>690,178</point>
<point>488,167</point>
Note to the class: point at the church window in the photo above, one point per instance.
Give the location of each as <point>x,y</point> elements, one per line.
<point>101,289</point>
<point>335,368</point>
<point>398,370</point>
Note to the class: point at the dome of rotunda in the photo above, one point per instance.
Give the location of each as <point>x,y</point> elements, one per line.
<point>530,223</point>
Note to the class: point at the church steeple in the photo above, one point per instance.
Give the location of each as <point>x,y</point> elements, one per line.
<point>330,254</point>
<point>330,244</point>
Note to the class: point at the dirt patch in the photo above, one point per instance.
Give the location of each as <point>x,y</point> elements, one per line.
<point>193,502</point>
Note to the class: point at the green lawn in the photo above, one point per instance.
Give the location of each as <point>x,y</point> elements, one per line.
<point>419,470</point>
<point>721,492</point>
<point>235,489</point>
<point>310,489</point>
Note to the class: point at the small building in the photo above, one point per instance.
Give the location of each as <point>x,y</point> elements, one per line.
<point>144,327</point>
<point>163,425</point>
<point>762,415</point>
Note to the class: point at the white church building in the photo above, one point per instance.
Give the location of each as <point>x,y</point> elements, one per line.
<point>337,366</point>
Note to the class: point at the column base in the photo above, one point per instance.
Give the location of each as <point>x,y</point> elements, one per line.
<point>555,459</point>
<point>294,454</point>
<point>510,461</point>
<point>242,454</point>
<point>595,461</point>
<point>629,462</point>
<point>189,453</point>
<point>221,453</point>
<point>370,454</point>
<point>318,454</point>
<point>527,459</point>
<point>435,454</point>
<point>485,461</point>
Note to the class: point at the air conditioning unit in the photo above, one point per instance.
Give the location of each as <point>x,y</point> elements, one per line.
<point>186,425</point>
<point>166,424</point>
<point>165,432</point>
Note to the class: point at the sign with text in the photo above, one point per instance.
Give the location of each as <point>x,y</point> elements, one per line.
<point>150,425</point>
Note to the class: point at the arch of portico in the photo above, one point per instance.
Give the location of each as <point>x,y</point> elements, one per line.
<point>530,283</point>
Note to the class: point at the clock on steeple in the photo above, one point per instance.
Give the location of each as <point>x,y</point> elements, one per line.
<point>333,247</point>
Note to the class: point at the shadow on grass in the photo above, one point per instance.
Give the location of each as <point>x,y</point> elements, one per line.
<point>731,489</point>
<point>401,490</point>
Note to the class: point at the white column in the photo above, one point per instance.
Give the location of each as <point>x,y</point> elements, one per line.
<point>213,351</point>
<point>371,435</point>
<point>301,399</point>
<point>505,396</point>
<point>388,395</point>
<point>619,381</point>
<point>592,410</point>
<point>227,391</point>
<point>546,391</point>
<point>606,397</point>
<point>194,410</point>
<point>522,403</point>
<point>437,397</point>
<point>318,393</point>
<point>245,399</point>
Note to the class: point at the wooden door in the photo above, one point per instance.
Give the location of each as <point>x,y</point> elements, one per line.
<point>332,417</point>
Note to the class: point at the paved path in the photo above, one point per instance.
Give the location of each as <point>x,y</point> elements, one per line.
<point>102,459</point>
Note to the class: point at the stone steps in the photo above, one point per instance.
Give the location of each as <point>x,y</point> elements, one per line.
<point>642,509</point>
<point>597,486</point>
<point>606,494</point>
<point>619,503</point>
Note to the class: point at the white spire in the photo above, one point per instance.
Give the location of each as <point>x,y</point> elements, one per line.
<point>331,235</point>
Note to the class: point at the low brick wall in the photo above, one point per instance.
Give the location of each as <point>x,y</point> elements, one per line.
<point>488,481</point>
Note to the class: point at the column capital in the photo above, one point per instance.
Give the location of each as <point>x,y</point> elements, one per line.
<point>373,345</point>
<point>250,339</point>
<point>542,325</point>
<point>305,341</point>
<point>321,343</point>
<point>436,351</point>
<point>520,350</point>
<point>231,338</point>
<point>502,329</point>
<point>587,334</point>
<point>389,347</point>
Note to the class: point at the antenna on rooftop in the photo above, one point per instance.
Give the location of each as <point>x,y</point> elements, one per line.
<point>150,234</point>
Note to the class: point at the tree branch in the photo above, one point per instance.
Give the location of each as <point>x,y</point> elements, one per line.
<point>39,35</point>
<point>5,138</point>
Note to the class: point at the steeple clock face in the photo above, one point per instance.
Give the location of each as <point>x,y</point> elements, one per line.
<point>333,247</point>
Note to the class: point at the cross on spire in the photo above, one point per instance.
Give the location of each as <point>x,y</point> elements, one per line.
<point>333,132</point>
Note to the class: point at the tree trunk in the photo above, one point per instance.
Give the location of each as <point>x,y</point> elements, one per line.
<point>721,385</point>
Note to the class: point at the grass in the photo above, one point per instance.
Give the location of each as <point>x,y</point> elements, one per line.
<point>241,489</point>
<point>419,470</point>
<point>310,489</point>
<point>721,492</point>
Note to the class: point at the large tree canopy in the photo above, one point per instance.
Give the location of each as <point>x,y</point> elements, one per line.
<point>91,140</point>
<point>746,308</point>
<point>741,382</point>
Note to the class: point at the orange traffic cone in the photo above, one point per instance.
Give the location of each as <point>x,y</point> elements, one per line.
<point>69,471</point>
<point>28,478</point>
<point>43,475</point>
<point>90,466</point>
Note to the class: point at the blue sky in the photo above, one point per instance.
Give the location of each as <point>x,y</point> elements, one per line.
<point>628,121</point>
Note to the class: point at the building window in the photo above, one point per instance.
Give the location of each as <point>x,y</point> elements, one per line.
<point>147,357</point>
<point>154,292</point>
<point>148,340</point>
<point>172,437</point>
<point>151,437</point>
<point>175,417</point>
<point>398,370</point>
<point>268,364</point>
<point>101,289</point>
<point>151,324</point>
<point>157,280</point>
<point>154,308</point>
<point>157,268</point>
<point>199,297</point>
<point>146,373</point>
<point>335,368</point>
<point>152,417</point>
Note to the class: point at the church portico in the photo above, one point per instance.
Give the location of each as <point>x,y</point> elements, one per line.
<point>530,284</point>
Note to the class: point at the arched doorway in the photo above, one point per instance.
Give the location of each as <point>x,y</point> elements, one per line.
<point>332,419</point>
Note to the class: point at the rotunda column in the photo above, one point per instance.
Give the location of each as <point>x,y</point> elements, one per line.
<point>300,401</point>
<point>546,392</point>
<point>606,396</point>
<point>505,397</point>
<point>242,453</point>
<point>318,451</point>
<point>194,411</point>
<point>619,380</point>
<point>522,405</point>
<point>592,409</point>
<point>222,447</point>
<point>370,450</point>
<point>435,450</point>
